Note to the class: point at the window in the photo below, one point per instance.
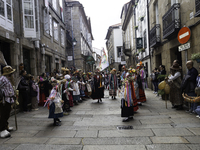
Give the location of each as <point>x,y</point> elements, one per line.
<point>118,51</point>
<point>62,36</point>
<point>50,23</point>
<point>55,28</point>
<point>55,4</point>
<point>6,16</point>
<point>29,18</point>
<point>46,21</point>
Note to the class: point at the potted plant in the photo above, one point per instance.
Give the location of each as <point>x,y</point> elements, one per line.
<point>136,27</point>
<point>142,18</point>
<point>196,57</point>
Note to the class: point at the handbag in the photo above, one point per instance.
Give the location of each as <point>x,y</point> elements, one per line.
<point>125,110</point>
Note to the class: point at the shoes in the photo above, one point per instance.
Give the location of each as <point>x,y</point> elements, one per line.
<point>130,118</point>
<point>139,103</point>
<point>10,129</point>
<point>57,124</point>
<point>58,120</point>
<point>4,134</point>
<point>100,100</point>
<point>154,92</point>
<point>198,116</point>
<point>125,120</point>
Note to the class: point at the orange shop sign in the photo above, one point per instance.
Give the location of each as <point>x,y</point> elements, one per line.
<point>184,35</point>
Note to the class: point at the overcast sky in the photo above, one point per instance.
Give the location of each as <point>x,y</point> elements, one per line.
<point>103,13</point>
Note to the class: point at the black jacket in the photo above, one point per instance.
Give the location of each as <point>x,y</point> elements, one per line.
<point>187,85</point>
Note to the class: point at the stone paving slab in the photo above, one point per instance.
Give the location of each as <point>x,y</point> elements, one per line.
<point>48,147</point>
<point>185,120</point>
<point>8,146</point>
<point>167,147</point>
<point>193,139</point>
<point>24,134</point>
<point>152,126</point>
<point>172,132</point>
<point>64,141</point>
<point>168,140</point>
<point>194,146</point>
<point>33,140</point>
<point>86,133</point>
<point>188,125</point>
<point>117,141</point>
<point>114,147</point>
<point>196,131</point>
<point>125,133</point>
<point>155,121</point>
<point>65,127</point>
<point>57,133</point>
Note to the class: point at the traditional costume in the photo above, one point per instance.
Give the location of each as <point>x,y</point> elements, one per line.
<point>113,84</point>
<point>97,88</point>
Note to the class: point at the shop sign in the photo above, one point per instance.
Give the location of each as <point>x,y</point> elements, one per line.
<point>184,47</point>
<point>139,43</point>
<point>70,58</point>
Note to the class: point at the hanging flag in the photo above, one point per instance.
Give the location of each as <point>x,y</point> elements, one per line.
<point>104,61</point>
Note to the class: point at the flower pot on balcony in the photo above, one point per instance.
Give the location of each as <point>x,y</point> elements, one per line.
<point>142,18</point>
<point>136,27</point>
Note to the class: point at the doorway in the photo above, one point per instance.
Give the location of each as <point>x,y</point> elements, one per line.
<point>158,60</point>
<point>175,55</point>
<point>26,60</point>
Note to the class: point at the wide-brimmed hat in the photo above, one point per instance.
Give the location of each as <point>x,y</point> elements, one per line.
<point>8,70</point>
<point>175,66</point>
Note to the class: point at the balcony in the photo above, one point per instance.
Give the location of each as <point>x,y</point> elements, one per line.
<point>155,36</point>
<point>197,6</point>
<point>171,22</point>
<point>127,48</point>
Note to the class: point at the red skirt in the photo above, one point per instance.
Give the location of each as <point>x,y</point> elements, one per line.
<point>70,100</point>
<point>142,96</point>
<point>42,99</point>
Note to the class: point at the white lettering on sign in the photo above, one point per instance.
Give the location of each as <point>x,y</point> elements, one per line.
<point>184,47</point>
<point>184,35</point>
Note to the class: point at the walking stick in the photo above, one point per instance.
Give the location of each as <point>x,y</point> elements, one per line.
<point>166,100</point>
<point>16,101</point>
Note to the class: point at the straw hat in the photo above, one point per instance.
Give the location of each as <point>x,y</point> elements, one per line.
<point>8,70</point>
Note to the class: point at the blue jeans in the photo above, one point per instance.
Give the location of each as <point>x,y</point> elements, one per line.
<point>155,83</point>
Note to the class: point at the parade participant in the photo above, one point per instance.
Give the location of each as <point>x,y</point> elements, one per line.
<point>44,88</point>
<point>23,88</point>
<point>6,86</point>
<point>97,88</point>
<point>33,93</point>
<point>142,97</point>
<point>68,86</point>
<point>142,75</point>
<point>76,91</point>
<point>174,81</point>
<point>128,93</point>
<point>55,107</point>
<point>136,87</point>
<point>124,71</point>
<point>82,88</point>
<point>113,83</point>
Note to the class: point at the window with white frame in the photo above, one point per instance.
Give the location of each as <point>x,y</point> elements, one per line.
<point>55,29</point>
<point>6,14</point>
<point>46,22</point>
<point>54,2</point>
<point>29,18</point>
<point>51,26</point>
<point>62,36</point>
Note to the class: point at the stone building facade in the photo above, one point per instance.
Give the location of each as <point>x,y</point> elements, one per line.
<point>114,46</point>
<point>166,19</point>
<point>79,27</point>
<point>30,33</point>
<point>128,33</point>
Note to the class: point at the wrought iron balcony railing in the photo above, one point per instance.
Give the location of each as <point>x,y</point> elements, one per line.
<point>155,36</point>
<point>127,48</point>
<point>171,21</point>
<point>68,37</point>
<point>197,6</point>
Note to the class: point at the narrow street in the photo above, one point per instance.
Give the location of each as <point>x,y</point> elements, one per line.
<point>93,126</point>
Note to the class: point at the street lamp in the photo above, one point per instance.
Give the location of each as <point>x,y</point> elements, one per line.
<point>74,42</point>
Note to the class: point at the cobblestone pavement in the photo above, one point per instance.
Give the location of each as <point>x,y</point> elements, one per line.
<point>94,126</point>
